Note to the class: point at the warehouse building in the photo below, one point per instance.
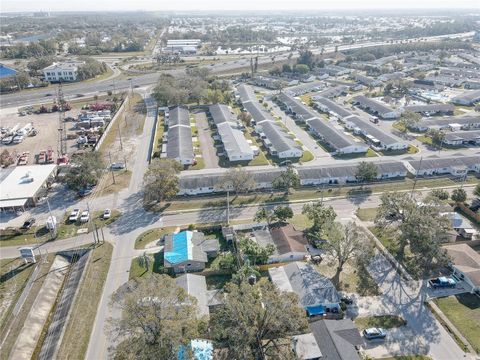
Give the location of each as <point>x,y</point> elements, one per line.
<point>25,185</point>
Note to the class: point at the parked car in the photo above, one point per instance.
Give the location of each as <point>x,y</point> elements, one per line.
<point>107,213</point>
<point>85,216</point>
<point>117,166</point>
<point>85,191</point>
<point>442,282</point>
<point>28,224</point>
<point>346,300</point>
<point>74,215</point>
<point>374,333</point>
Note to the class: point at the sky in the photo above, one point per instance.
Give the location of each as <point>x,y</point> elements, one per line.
<point>212,5</point>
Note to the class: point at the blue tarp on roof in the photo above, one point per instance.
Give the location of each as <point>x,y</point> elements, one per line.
<point>6,72</point>
<point>180,244</point>
<point>202,350</point>
<point>315,310</point>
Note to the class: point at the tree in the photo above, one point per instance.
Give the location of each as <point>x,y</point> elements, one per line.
<point>286,68</point>
<point>255,318</point>
<point>344,243</point>
<point>161,180</point>
<point>282,213</point>
<point>245,118</point>
<point>440,194</point>
<point>254,252</point>
<point>301,68</point>
<point>366,172</point>
<point>158,318</point>
<point>459,195</point>
<point>408,120</point>
<point>477,190</point>
<point>438,136</point>
<point>237,179</point>
<point>287,180</point>
<point>414,224</point>
<point>87,171</point>
<point>265,214</point>
<point>321,216</point>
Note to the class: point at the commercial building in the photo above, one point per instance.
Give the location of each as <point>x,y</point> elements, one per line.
<point>66,71</point>
<point>230,131</point>
<point>25,185</point>
<point>317,295</point>
<point>184,46</point>
<point>374,135</point>
<point>375,107</point>
<point>179,144</point>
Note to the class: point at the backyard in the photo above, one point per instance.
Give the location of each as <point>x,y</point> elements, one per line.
<point>381,321</point>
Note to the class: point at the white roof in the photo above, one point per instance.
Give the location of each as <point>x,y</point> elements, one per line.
<point>24,182</point>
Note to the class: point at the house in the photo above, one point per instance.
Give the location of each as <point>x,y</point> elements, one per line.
<point>461,225</point>
<point>305,88</point>
<point>290,244</point>
<point>466,264</point>
<point>229,129</point>
<point>366,80</point>
<point>66,71</point>
<point>188,251</point>
<point>25,185</point>
<point>316,293</point>
<point>332,92</point>
<point>455,165</point>
<point>374,135</point>
<point>196,286</point>
<point>432,109</point>
<point>337,339</point>
<point>346,173</point>
<point>464,122</point>
<point>304,346</point>
<point>375,107</point>
<point>459,138</point>
<point>467,98</point>
<point>331,108</point>
<point>179,136</point>
<point>472,84</point>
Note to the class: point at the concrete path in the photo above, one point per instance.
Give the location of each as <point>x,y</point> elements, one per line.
<point>207,146</point>
<point>33,326</point>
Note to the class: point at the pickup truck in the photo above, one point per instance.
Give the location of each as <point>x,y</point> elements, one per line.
<point>442,282</point>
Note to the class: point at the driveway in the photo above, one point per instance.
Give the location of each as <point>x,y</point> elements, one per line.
<point>209,152</point>
<point>300,134</point>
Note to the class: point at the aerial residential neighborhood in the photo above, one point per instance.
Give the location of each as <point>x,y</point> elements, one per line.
<point>240,181</point>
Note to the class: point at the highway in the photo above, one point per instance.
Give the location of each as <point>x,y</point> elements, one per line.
<point>90,88</point>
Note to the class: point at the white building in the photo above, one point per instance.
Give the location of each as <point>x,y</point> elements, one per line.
<point>66,71</point>
<point>184,46</point>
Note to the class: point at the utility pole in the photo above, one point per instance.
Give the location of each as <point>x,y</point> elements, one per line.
<point>120,135</point>
<point>228,207</point>
<point>416,176</point>
<point>111,170</point>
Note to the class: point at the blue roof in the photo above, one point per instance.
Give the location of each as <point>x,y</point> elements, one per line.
<point>315,310</point>
<point>181,248</point>
<point>6,72</point>
<point>202,350</point>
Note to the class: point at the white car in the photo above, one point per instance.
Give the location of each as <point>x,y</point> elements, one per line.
<point>107,213</point>
<point>85,216</point>
<point>74,215</point>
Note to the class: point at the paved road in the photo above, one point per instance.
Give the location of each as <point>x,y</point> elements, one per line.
<point>423,334</point>
<point>207,146</point>
<point>70,90</point>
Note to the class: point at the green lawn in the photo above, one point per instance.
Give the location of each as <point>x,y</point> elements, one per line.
<point>427,140</point>
<point>382,321</point>
<point>306,156</point>
<point>77,332</point>
<point>371,153</point>
<point>138,267</point>
<point>464,312</point>
<point>151,235</point>
<point>199,165</point>
<point>366,214</point>
<point>14,274</point>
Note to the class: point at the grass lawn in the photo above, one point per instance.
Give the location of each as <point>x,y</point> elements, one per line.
<point>160,129</point>
<point>77,332</point>
<point>14,274</point>
<point>122,181</point>
<point>100,221</point>
<point>148,236</point>
<point>306,156</point>
<point>366,214</point>
<point>139,269</point>
<point>371,153</point>
<point>382,321</point>
<point>412,149</point>
<point>427,140</point>
<point>464,312</point>
<point>199,165</point>
<point>300,221</point>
